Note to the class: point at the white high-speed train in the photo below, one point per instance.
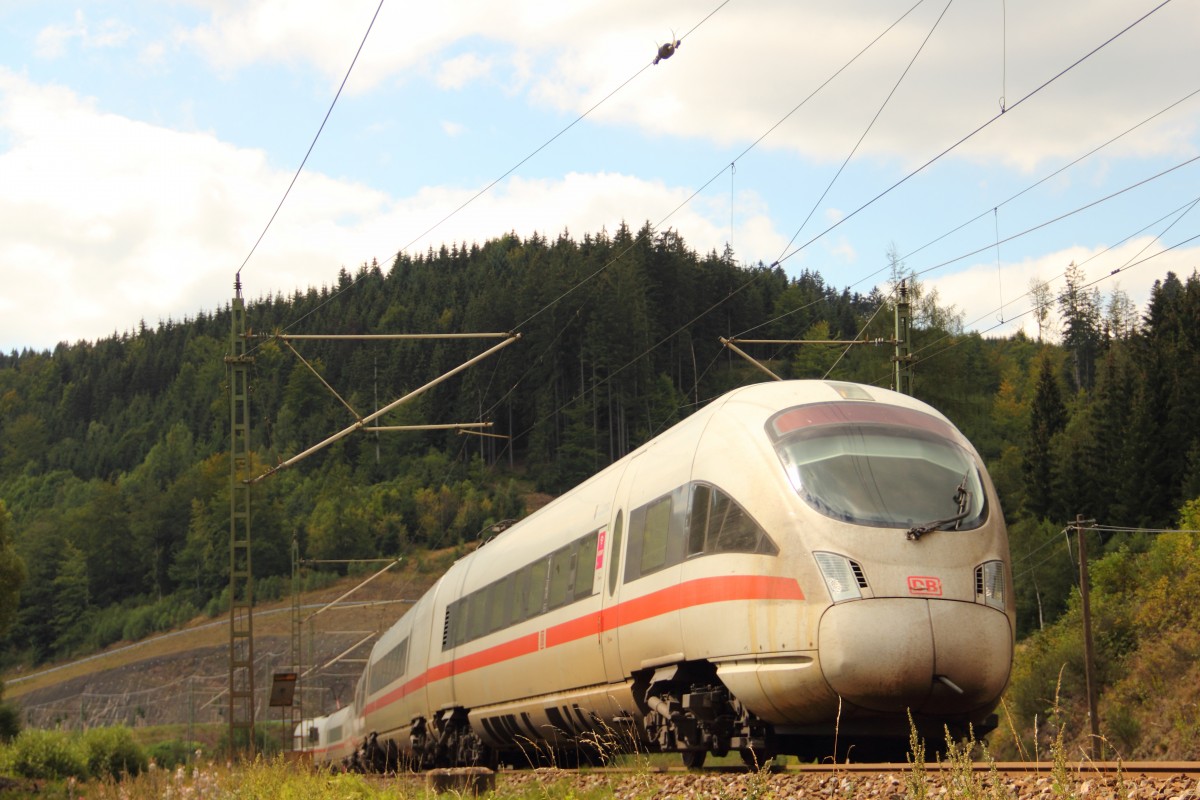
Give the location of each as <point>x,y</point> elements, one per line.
<point>795,560</point>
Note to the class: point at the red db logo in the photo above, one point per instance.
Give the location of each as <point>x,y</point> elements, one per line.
<point>924,585</point>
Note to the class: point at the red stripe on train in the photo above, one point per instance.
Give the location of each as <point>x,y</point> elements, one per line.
<point>700,591</point>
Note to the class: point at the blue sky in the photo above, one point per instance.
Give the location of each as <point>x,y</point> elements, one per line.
<point>144,145</point>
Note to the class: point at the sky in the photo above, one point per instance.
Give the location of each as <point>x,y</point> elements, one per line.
<point>145,146</point>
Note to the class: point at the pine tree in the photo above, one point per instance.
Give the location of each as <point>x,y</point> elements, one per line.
<point>1047,418</point>
<point>1080,311</point>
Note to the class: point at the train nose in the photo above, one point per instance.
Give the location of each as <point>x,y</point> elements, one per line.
<point>930,656</point>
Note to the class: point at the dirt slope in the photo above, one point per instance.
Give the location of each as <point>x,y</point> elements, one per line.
<point>181,677</point>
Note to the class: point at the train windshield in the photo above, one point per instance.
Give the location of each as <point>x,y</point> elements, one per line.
<point>880,469</point>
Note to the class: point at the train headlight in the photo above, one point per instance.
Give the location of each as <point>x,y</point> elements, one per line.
<point>842,579</point>
<point>990,584</point>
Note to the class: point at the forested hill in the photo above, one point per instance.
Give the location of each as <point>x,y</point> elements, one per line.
<point>114,454</point>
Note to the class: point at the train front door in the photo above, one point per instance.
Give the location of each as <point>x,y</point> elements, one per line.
<point>610,591</point>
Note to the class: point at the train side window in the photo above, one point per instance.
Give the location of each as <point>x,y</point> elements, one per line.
<point>698,518</point>
<point>401,661</point>
<point>728,528</point>
<point>585,566</point>
<point>520,593</point>
<point>614,554</point>
<point>498,598</point>
<point>560,577</point>
<point>477,615</point>
<point>536,595</point>
<point>390,667</point>
<point>735,532</point>
<point>654,536</point>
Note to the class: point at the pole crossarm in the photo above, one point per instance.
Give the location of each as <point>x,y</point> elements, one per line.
<point>284,337</point>
<point>463,432</point>
<point>732,344</point>
<point>442,427</point>
<point>877,341</point>
<point>753,361</point>
<point>363,422</point>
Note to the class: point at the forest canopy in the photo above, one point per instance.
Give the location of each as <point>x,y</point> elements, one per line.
<point>114,462</point>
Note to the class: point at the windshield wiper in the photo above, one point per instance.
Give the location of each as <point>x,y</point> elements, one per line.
<point>962,497</point>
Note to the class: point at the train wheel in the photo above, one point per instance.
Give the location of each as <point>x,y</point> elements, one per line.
<point>694,759</point>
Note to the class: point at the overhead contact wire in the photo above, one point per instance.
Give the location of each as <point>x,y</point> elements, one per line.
<point>517,166</point>
<point>975,132</point>
<point>553,138</point>
<point>870,125</point>
<point>313,144</point>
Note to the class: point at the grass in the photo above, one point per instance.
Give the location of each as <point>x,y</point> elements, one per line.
<point>284,777</point>
<point>280,776</point>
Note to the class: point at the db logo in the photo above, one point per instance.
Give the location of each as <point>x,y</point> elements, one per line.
<point>924,585</point>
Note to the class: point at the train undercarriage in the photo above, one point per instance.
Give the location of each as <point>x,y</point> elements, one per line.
<point>683,708</point>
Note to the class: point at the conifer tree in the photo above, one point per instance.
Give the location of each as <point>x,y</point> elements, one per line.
<point>1047,418</point>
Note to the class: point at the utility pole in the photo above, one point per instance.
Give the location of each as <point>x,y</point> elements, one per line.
<point>297,664</point>
<point>903,372</point>
<point>241,579</point>
<point>1088,651</point>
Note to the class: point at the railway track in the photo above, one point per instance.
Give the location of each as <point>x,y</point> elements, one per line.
<point>1016,781</point>
<point>1190,769</point>
<point>1088,780</point>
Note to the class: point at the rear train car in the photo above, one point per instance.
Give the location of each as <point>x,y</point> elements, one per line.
<point>796,559</point>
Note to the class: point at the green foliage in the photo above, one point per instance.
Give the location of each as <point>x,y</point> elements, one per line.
<point>45,754</point>
<point>1146,629</point>
<point>12,573</point>
<point>112,753</point>
<point>10,720</point>
<point>916,780</point>
<point>266,742</point>
<point>1048,417</point>
<point>172,753</point>
<point>1043,572</point>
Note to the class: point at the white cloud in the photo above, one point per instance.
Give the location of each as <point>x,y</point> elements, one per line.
<point>106,220</point>
<point>461,70</point>
<point>52,41</point>
<point>740,70</point>
<point>452,128</point>
<point>153,53</point>
<point>842,249</point>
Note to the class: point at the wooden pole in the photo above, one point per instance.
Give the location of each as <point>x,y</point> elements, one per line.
<point>1088,651</point>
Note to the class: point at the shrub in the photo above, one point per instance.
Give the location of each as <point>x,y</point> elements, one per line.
<point>173,753</point>
<point>46,755</point>
<point>109,627</point>
<point>10,722</point>
<point>112,752</point>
